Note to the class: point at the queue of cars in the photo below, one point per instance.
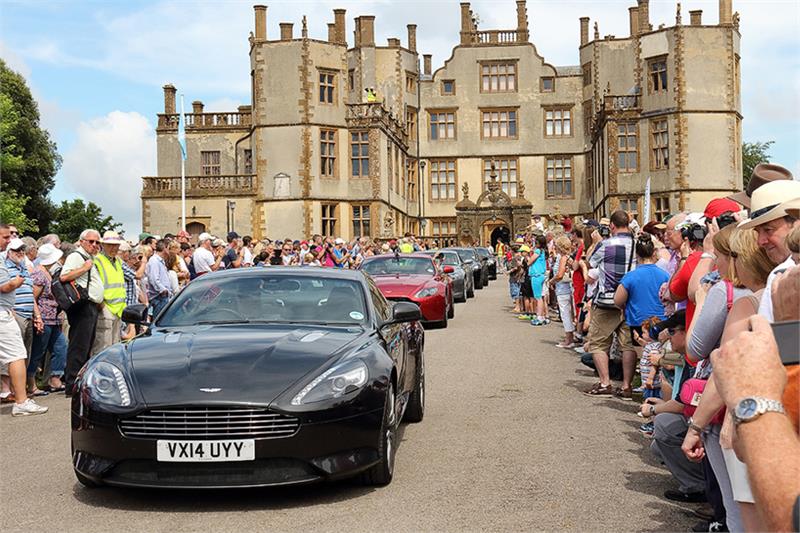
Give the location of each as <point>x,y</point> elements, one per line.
<point>265,377</point>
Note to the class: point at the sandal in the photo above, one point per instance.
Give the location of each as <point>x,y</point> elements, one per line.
<point>8,398</point>
<point>38,392</point>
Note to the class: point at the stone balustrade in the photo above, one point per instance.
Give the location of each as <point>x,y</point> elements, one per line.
<point>198,186</point>
<point>624,102</point>
<point>495,37</point>
<point>223,120</point>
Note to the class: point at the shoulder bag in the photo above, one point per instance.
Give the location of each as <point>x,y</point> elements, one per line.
<point>67,294</point>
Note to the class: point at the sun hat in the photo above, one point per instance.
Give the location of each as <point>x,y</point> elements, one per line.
<point>762,174</point>
<point>49,254</point>
<point>792,207</point>
<point>125,246</point>
<point>524,248</point>
<point>111,237</point>
<point>768,202</point>
<point>519,240</point>
<point>216,243</point>
<point>16,245</point>
<point>691,219</point>
<point>205,237</point>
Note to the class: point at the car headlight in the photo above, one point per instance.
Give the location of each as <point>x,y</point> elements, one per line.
<point>424,293</point>
<point>106,384</point>
<point>334,382</point>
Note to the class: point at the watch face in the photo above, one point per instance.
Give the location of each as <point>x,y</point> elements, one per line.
<point>746,409</point>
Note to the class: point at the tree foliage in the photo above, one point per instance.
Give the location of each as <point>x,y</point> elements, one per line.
<point>72,217</point>
<point>753,154</point>
<point>30,159</point>
<point>12,211</point>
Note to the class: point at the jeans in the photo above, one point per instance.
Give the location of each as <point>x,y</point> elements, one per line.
<point>82,319</point>
<point>670,429</point>
<point>53,341</point>
<point>157,304</point>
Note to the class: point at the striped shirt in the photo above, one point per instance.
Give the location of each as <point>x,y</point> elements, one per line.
<point>131,296</point>
<point>24,304</point>
<point>614,257</point>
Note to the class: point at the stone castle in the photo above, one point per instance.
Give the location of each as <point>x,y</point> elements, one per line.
<point>367,140</point>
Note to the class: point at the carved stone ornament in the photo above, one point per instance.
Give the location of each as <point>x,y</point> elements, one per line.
<point>735,19</point>
<point>520,188</point>
<point>596,32</point>
<point>465,190</point>
<point>388,220</point>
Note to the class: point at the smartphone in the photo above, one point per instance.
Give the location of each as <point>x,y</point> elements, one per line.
<point>787,336</point>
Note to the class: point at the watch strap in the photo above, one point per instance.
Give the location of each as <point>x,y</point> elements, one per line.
<point>763,405</point>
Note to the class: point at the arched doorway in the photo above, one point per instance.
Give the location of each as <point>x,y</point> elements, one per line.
<point>492,230</point>
<point>500,233</point>
<point>195,228</point>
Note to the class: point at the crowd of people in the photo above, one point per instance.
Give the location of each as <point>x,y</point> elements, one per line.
<point>686,303</point>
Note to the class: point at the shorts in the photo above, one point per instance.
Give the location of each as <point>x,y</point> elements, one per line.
<point>11,346</point>
<point>565,308</point>
<point>604,322</point>
<point>526,289</point>
<point>514,289</point>
<point>537,285</point>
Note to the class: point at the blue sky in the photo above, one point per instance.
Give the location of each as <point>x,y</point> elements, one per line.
<point>97,67</point>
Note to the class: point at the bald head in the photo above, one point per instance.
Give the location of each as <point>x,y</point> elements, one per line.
<point>672,236</point>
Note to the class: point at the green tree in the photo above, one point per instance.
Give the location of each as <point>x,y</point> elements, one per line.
<point>12,211</point>
<point>753,154</point>
<point>72,217</point>
<point>30,159</point>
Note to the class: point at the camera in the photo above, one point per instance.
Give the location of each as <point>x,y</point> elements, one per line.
<point>725,219</point>
<point>694,232</point>
<point>604,231</point>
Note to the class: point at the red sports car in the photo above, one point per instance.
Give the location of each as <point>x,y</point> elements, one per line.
<point>414,278</point>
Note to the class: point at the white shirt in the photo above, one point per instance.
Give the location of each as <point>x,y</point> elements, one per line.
<point>765,307</point>
<point>203,260</point>
<point>247,260</point>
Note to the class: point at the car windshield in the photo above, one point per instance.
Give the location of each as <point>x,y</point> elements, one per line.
<point>449,258</point>
<point>466,255</point>
<point>483,252</point>
<point>398,265</point>
<point>267,299</point>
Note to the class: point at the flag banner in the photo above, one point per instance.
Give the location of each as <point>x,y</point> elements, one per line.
<point>182,132</point>
<point>647,202</point>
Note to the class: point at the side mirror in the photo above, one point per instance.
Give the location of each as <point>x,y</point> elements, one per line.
<point>135,314</point>
<point>404,312</point>
<point>469,261</point>
<point>448,269</point>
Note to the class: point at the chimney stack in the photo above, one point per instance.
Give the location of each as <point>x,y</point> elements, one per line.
<point>633,17</point>
<point>696,17</point>
<point>261,22</point>
<point>466,23</point>
<point>367,27</point>
<point>412,38</point>
<point>286,31</point>
<point>338,18</point>
<point>169,99</point>
<point>584,30</point>
<point>644,16</point>
<point>332,37</point>
<point>426,64</point>
<point>357,32</point>
<point>394,42</point>
<point>725,13</point>
<point>522,22</point>
<point>197,107</point>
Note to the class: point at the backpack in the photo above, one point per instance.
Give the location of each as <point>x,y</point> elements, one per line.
<point>68,294</point>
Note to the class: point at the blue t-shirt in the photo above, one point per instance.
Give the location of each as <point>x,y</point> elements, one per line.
<point>642,285</point>
<point>539,266</point>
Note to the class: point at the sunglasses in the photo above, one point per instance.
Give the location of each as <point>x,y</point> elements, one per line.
<point>92,241</point>
<point>14,233</point>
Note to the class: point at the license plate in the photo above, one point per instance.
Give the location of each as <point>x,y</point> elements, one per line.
<point>203,451</point>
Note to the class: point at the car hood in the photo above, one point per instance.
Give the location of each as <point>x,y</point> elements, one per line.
<point>247,363</point>
<point>392,285</point>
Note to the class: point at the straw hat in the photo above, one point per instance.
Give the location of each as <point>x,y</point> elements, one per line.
<point>769,201</point>
<point>111,237</point>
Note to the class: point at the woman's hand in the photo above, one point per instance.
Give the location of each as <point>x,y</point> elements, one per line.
<point>708,241</point>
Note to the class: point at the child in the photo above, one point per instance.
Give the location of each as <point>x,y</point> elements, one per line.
<point>537,272</point>
<point>652,352</point>
<point>562,282</point>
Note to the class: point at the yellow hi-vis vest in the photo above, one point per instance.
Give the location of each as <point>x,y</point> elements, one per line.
<point>113,282</point>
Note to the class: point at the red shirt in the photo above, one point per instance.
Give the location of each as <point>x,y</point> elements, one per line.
<point>578,285</point>
<point>679,287</point>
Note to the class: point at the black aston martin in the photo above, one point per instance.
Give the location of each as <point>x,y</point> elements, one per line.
<point>254,377</point>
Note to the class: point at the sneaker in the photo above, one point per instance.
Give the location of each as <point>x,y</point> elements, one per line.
<point>545,321</point>
<point>28,407</point>
<point>579,349</point>
<point>638,390</point>
<point>599,390</point>
<point>525,317</point>
<point>623,394</point>
<point>567,346</point>
<point>647,428</point>
<point>678,496</point>
<point>536,322</point>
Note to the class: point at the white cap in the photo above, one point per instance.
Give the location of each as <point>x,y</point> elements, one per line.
<point>49,254</point>
<point>16,244</point>
<point>339,240</point>
<point>204,237</point>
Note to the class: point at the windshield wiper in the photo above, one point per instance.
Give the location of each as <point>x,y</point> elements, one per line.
<point>221,322</point>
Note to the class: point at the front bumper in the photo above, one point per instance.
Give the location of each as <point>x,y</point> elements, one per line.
<point>318,451</point>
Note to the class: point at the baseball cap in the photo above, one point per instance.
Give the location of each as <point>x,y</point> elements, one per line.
<point>204,237</point>
<point>16,245</point>
<point>217,243</point>
<point>524,248</point>
<point>718,206</point>
<point>339,240</point>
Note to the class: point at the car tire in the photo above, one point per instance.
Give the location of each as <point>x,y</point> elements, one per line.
<point>479,283</point>
<point>463,298</point>
<point>471,293</point>
<point>381,473</point>
<point>451,313</point>
<point>85,481</point>
<point>415,411</point>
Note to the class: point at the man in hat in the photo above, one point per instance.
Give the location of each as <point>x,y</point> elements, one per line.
<point>762,174</point>
<point>112,274</point>
<point>203,258</point>
<point>771,220</point>
<point>26,310</point>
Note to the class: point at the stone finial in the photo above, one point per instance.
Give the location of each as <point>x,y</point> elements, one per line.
<point>735,19</point>
<point>305,28</point>
<point>678,15</point>
<point>465,190</point>
<point>596,31</point>
<point>520,188</point>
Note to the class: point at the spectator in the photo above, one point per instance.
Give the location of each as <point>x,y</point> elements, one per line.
<point>614,257</point>
<point>80,267</point>
<point>159,288</point>
<point>234,253</point>
<point>133,267</point>
<point>562,282</point>
<point>204,259</point>
<point>537,270</point>
<point>109,320</point>
<point>288,257</point>
<point>247,251</point>
<point>31,251</point>
<point>12,349</point>
<point>171,262</point>
<point>51,339</point>
<point>26,310</point>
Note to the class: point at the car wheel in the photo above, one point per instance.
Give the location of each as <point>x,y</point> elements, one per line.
<point>463,298</point>
<point>471,293</point>
<point>85,481</point>
<point>451,311</point>
<point>479,283</point>
<point>381,473</point>
<point>416,404</point>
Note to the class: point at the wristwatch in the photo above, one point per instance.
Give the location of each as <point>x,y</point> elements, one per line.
<point>694,426</point>
<point>752,407</point>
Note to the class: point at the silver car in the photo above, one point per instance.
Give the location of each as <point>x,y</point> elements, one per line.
<point>463,285</point>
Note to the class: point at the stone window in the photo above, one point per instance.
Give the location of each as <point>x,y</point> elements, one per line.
<point>506,170</point>
<point>411,123</point>
<point>661,207</point>
<point>327,87</point>
<point>499,77</point>
<point>361,221</point>
<point>397,170</point>
<point>559,177</point>
<point>443,227</point>
<point>587,117</point>
<point>659,144</point>
<point>548,84</point>
<point>586,68</point>
<point>411,82</point>
<point>248,161</point>
<point>351,79</point>
<point>557,122</point>
<point>411,170</point>
<point>327,154</point>
<point>448,87</point>
<point>443,179</point>
<point>499,123</point>
<point>443,125</point>
<point>209,163</point>
<point>657,70</point>
<point>329,220</point>
<point>630,206</point>
<point>627,147</point>
<point>359,154</point>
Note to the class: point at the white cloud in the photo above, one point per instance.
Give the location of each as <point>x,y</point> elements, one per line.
<point>106,163</point>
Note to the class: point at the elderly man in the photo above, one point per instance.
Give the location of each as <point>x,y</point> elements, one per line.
<point>12,350</point>
<point>159,288</point>
<point>80,267</point>
<point>109,318</point>
<point>204,259</point>
<point>26,310</point>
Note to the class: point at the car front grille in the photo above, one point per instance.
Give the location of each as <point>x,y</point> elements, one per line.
<point>209,423</point>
